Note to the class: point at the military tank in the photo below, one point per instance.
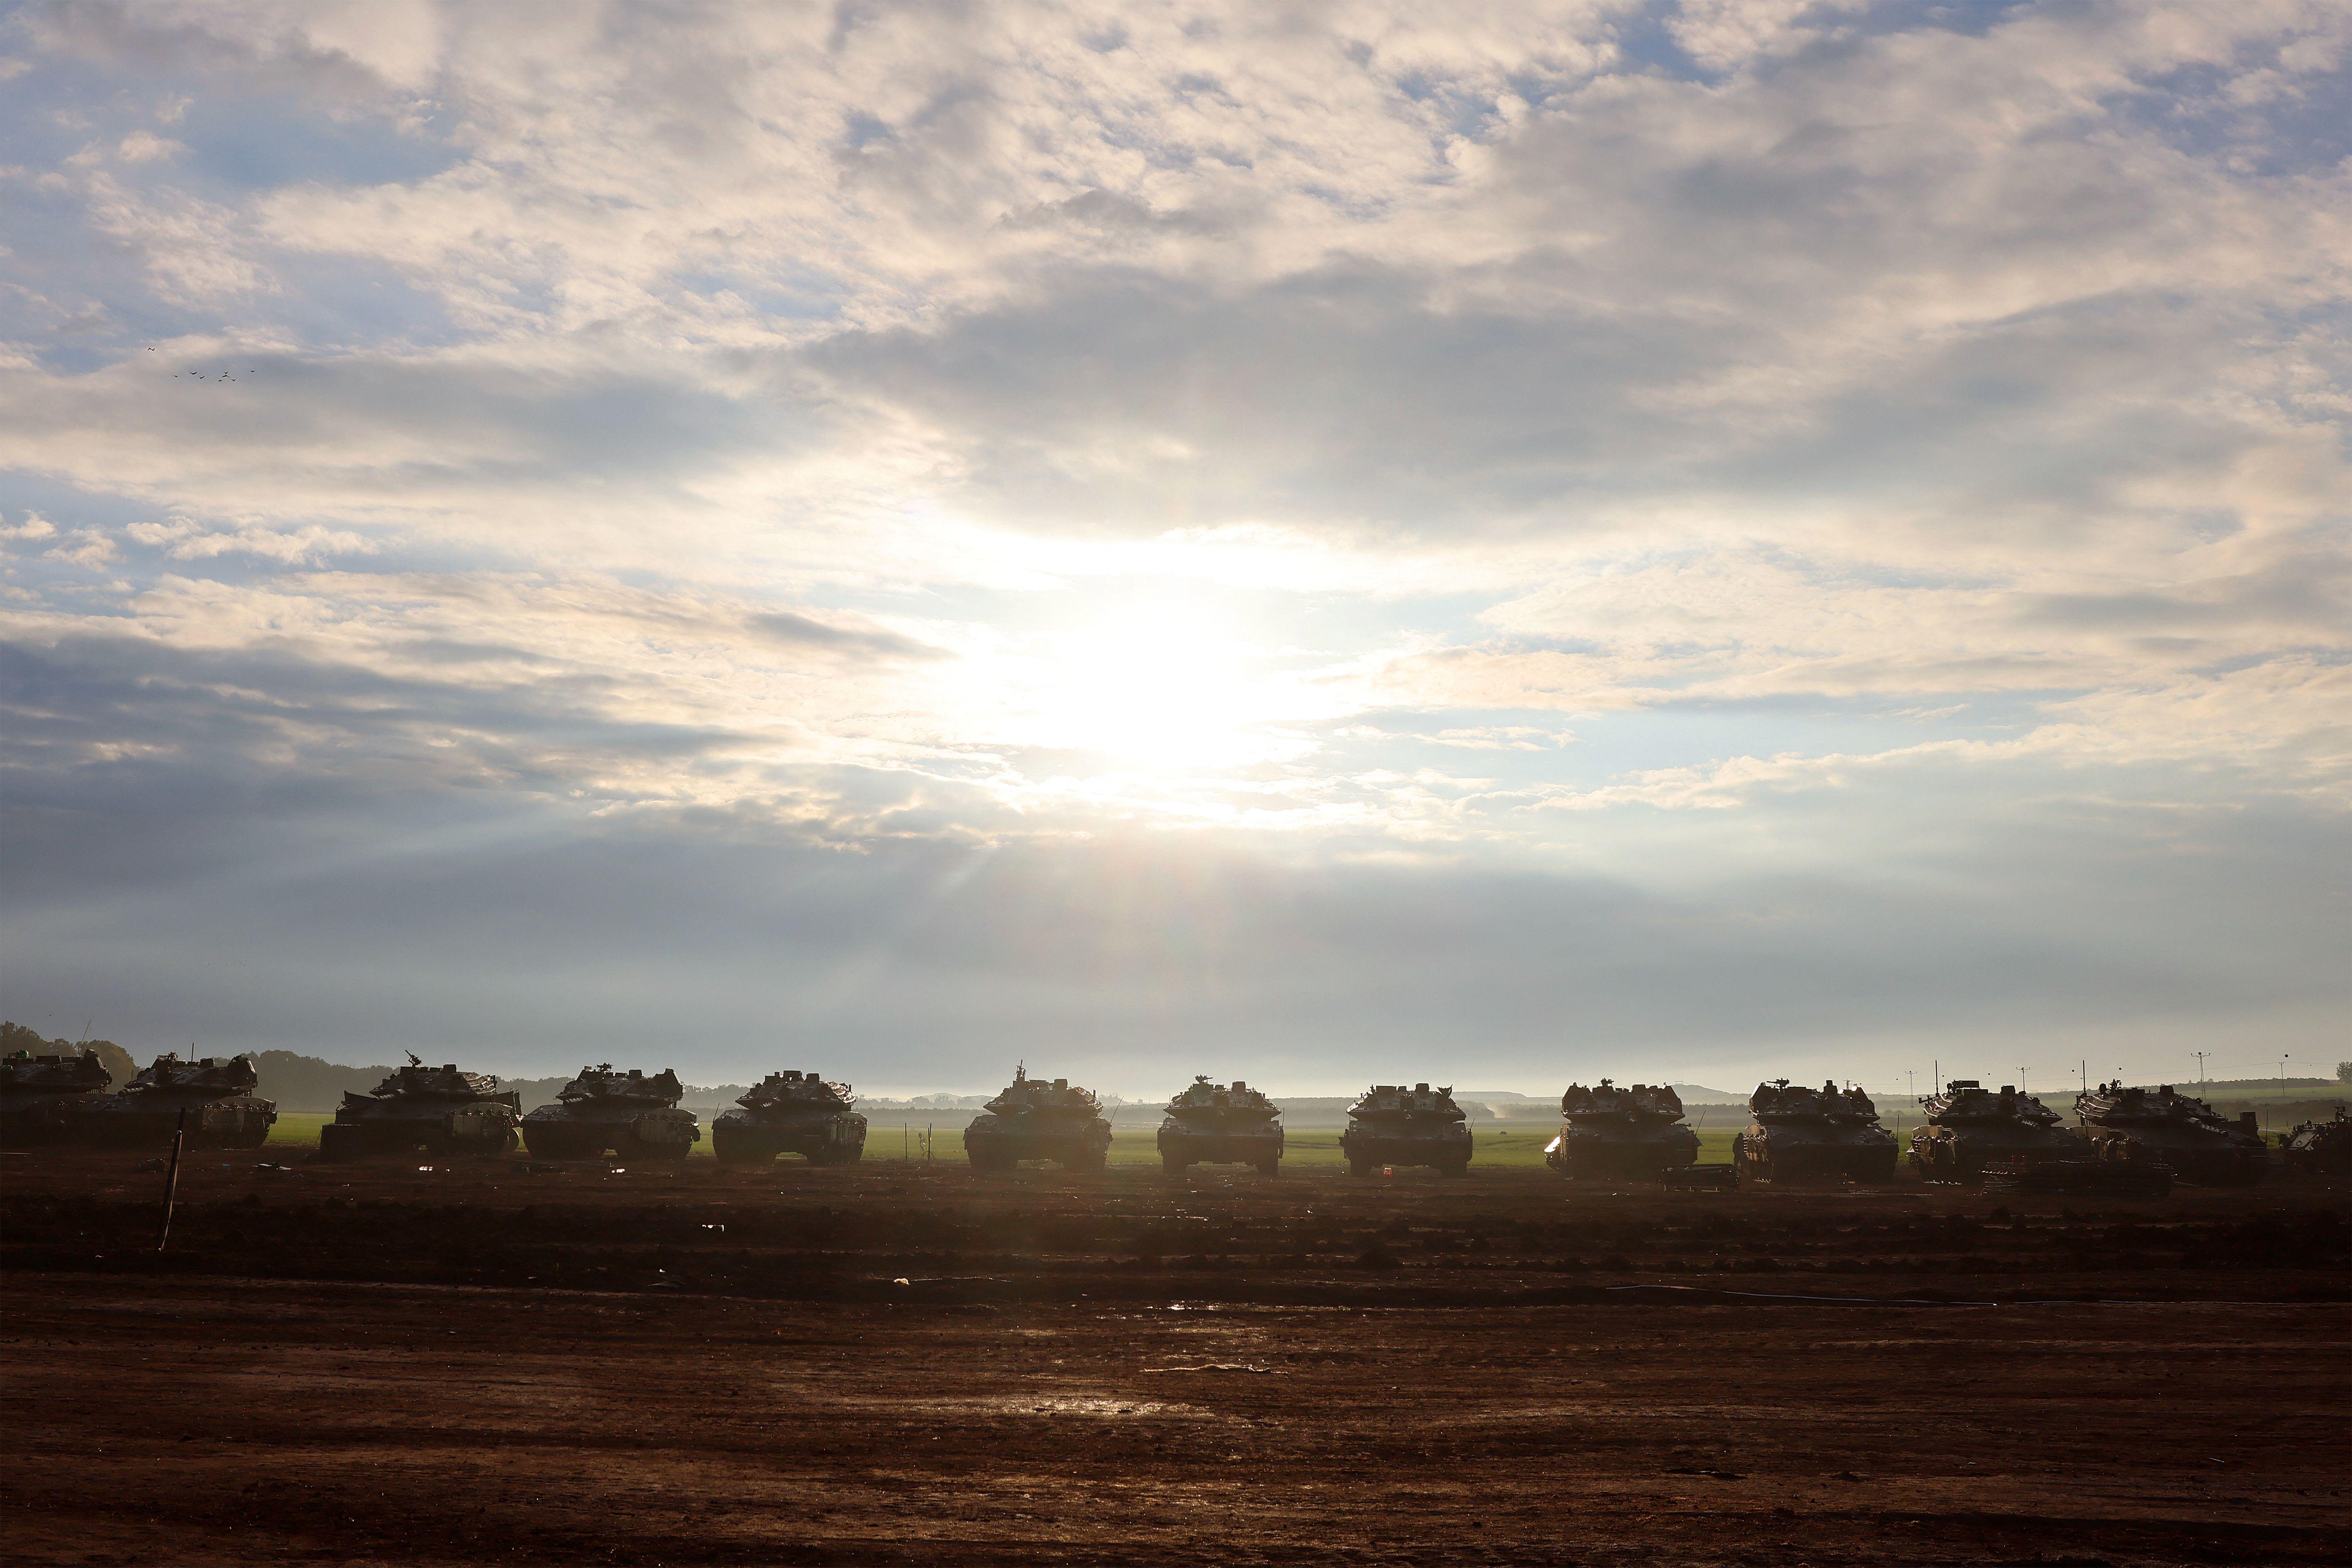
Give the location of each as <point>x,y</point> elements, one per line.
<point>2163,1126</point>
<point>624,1113</point>
<point>1799,1133</point>
<point>1968,1127</point>
<point>1615,1131</point>
<point>1392,1125</point>
<point>1211,1124</point>
<point>790,1113</point>
<point>44,1098</point>
<point>215,1095</point>
<point>440,1110</point>
<point>2319,1148</point>
<point>1037,1120</point>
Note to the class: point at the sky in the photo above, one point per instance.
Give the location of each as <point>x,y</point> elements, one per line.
<point>1314,542</point>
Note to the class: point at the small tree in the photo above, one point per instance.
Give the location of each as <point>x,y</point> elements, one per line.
<point>2344,1072</point>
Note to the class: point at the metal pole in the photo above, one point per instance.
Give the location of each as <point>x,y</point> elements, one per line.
<point>172,1181</point>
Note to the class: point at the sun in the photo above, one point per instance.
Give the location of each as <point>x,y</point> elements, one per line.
<point>1161,686</point>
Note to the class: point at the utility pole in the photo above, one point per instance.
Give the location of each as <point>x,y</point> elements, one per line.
<point>2083,1067</point>
<point>2200,1070</point>
<point>2021,1081</point>
<point>1938,1074</point>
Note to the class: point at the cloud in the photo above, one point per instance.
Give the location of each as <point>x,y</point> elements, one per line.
<point>1035,438</point>
<point>184,539</point>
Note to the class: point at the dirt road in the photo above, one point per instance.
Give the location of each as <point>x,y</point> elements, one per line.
<point>883,1366</point>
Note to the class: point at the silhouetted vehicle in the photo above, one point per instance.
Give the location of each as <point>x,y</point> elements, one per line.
<point>1968,1127</point>
<point>1210,1124</point>
<point>1617,1132</point>
<point>1799,1132</point>
<point>2163,1126</point>
<point>1393,1125</point>
<point>439,1110</point>
<point>1034,1119</point>
<point>215,1095</point>
<point>790,1113</point>
<point>2319,1148</point>
<point>43,1099</point>
<point>626,1114</point>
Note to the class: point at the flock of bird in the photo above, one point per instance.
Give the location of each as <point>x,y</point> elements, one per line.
<point>205,375</point>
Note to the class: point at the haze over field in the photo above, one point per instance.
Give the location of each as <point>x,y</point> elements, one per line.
<point>1314,542</point>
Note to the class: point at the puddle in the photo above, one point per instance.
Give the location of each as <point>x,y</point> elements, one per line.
<point>1092,1406</point>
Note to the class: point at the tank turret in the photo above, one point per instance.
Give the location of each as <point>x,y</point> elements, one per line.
<point>1392,1125</point>
<point>1616,1132</point>
<point>1035,1119</point>
<point>43,1099</point>
<point>2319,1148</point>
<point>2166,1127</point>
<point>214,1094</point>
<point>1796,1132</point>
<point>792,1112</point>
<point>441,1110</point>
<point>629,1114</point>
<point>1970,1127</point>
<point>1214,1124</point>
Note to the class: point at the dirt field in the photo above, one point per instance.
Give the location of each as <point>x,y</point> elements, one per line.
<point>882,1364</point>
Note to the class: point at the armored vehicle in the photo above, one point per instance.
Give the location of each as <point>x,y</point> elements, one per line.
<point>222,1110</point>
<point>44,1098</point>
<point>790,1113</point>
<point>1615,1131</point>
<point>1970,1127</point>
<point>1034,1119</point>
<point>440,1110</point>
<point>2319,1148</point>
<point>2079,1178</point>
<point>2165,1127</point>
<point>1799,1133</point>
<point>1393,1125</point>
<point>1209,1124</point>
<point>626,1113</point>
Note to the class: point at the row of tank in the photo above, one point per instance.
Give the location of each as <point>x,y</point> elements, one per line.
<point>1607,1131</point>
<point>1966,1132</point>
<point>61,1101</point>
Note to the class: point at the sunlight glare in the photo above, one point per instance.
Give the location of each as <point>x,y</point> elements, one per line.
<point>1160,686</point>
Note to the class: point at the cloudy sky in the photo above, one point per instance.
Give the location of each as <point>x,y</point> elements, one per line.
<point>1317,541</point>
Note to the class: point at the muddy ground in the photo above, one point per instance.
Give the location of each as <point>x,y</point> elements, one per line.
<point>484,1363</point>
